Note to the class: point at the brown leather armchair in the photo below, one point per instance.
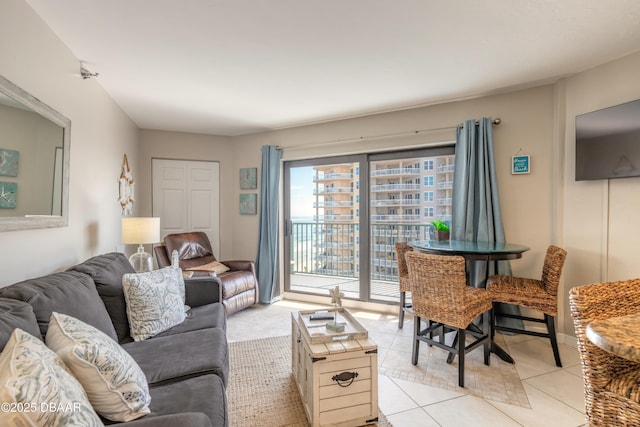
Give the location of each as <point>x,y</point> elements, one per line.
<point>239,284</point>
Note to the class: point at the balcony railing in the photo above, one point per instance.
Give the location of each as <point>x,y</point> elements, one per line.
<point>332,190</point>
<point>333,204</point>
<point>446,168</point>
<point>396,202</point>
<point>447,185</point>
<point>396,172</point>
<point>395,218</point>
<point>319,248</point>
<point>332,176</point>
<point>333,217</point>
<point>394,187</point>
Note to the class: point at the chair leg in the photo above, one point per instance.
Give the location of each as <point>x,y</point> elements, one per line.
<point>551,328</point>
<point>487,330</point>
<point>452,356</point>
<point>403,297</point>
<point>461,344</point>
<point>416,341</point>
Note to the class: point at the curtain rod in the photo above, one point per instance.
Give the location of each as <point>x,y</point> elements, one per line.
<point>494,122</point>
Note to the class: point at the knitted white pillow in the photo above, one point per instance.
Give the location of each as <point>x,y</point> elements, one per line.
<point>116,386</point>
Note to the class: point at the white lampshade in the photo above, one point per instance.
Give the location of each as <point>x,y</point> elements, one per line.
<point>140,230</point>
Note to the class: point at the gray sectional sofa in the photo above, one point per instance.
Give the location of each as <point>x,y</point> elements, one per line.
<point>187,366</point>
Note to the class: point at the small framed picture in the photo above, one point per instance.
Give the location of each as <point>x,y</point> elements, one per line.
<point>9,162</point>
<point>8,195</point>
<point>520,164</point>
<point>249,204</point>
<point>248,178</point>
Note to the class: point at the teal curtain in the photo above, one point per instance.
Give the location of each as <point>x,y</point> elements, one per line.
<point>267,258</point>
<point>476,212</point>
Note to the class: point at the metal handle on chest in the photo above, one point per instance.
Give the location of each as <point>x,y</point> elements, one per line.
<point>345,379</point>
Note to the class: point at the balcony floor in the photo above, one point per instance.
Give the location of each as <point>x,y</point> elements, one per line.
<point>321,285</point>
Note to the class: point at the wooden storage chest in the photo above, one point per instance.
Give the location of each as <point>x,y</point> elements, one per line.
<point>336,372</point>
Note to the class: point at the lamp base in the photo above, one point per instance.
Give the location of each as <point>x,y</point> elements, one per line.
<point>141,261</point>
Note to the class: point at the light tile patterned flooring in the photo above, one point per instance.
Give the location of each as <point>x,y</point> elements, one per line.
<point>555,394</point>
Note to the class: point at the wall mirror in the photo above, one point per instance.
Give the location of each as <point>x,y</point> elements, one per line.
<point>34,162</point>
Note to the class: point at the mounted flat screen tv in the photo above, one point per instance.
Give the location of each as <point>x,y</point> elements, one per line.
<point>608,143</point>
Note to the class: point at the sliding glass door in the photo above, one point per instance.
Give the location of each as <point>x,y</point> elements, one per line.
<point>343,216</point>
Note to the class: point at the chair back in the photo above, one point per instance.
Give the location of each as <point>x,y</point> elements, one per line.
<point>552,269</point>
<point>403,271</point>
<point>193,248</point>
<point>438,286</point>
<point>596,302</point>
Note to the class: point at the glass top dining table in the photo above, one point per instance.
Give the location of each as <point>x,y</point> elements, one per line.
<point>482,251</point>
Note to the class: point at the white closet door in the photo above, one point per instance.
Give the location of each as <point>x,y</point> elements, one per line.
<point>186,197</point>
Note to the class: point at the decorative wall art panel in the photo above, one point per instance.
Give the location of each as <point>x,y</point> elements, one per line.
<point>248,204</point>
<point>8,194</point>
<point>248,178</point>
<point>9,162</point>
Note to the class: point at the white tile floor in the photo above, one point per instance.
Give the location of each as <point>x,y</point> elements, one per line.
<point>555,394</point>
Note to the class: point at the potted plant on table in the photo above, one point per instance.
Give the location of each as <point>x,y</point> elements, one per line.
<point>442,230</point>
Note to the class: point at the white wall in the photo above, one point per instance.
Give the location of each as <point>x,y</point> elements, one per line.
<point>32,57</point>
<point>191,146</point>
<point>601,227</point>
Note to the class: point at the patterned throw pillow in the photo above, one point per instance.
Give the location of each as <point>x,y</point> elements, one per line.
<point>155,301</point>
<point>36,389</point>
<point>115,384</point>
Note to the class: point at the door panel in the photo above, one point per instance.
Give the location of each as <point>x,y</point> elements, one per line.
<point>186,197</point>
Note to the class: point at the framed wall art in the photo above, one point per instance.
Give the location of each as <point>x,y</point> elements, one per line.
<point>249,204</point>
<point>9,162</point>
<point>8,195</point>
<point>248,178</point>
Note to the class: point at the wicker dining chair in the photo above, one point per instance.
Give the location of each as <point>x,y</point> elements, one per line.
<point>403,279</point>
<point>611,383</point>
<point>441,296</point>
<point>540,295</point>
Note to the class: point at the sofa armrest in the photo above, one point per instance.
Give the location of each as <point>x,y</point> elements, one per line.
<point>185,419</point>
<point>202,290</point>
<point>241,265</point>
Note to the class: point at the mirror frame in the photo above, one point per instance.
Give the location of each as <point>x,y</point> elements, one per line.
<point>41,221</point>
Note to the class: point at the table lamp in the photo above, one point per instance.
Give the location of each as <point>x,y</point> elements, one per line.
<point>141,231</point>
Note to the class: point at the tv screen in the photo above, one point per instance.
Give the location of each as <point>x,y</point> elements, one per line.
<point>608,143</point>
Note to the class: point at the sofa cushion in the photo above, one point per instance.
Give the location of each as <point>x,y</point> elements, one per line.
<point>32,375</point>
<point>202,317</point>
<point>213,266</point>
<point>16,314</point>
<point>189,245</point>
<point>115,384</point>
<point>68,292</point>
<point>186,419</point>
<point>155,301</point>
<point>176,357</point>
<point>204,394</point>
<point>106,271</point>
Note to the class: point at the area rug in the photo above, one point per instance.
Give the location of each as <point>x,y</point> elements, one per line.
<point>261,389</point>
<point>499,381</point>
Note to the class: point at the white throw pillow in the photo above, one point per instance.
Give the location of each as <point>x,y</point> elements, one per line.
<point>36,389</point>
<point>155,301</point>
<point>113,381</point>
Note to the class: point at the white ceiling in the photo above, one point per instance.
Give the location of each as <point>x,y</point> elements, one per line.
<point>230,67</point>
